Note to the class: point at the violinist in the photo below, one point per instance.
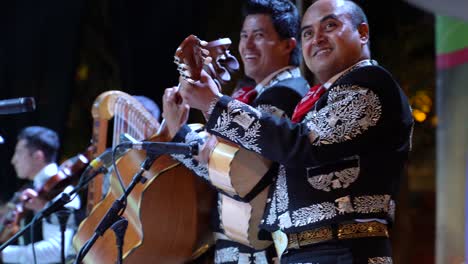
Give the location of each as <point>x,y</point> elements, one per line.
<point>34,159</point>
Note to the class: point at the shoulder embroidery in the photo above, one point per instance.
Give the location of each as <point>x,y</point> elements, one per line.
<point>350,111</point>
<point>247,118</point>
<point>271,109</point>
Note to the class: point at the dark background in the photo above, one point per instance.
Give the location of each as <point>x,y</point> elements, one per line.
<point>65,53</point>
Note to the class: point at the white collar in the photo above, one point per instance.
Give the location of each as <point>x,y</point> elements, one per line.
<point>277,76</point>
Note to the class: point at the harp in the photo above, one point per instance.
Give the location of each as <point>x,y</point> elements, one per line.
<point>129,116</point>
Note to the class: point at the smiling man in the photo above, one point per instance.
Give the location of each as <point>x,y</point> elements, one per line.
<point>270,54</point>
<point>342,160</point>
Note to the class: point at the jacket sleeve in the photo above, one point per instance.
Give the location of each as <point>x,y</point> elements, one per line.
<point>348,123</point>
<point>187,135</point>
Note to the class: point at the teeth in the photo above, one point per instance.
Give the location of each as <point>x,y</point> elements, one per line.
<point>321,51</point>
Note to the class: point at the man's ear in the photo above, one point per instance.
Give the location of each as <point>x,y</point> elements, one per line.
<point>39,155</point>
<point>363,30</point>
<point>290,45</point>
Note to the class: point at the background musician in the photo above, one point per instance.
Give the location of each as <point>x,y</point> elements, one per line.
<point>34,159</point>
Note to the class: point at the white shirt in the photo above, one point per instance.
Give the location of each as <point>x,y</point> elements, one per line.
<point>47,250</point>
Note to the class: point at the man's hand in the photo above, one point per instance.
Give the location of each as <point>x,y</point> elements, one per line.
<point>175,112</point>
<point>200,94</point>
<point>32,200</point>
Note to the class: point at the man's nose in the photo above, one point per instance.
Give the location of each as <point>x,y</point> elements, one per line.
<point>249,43</point>
<point>318,38</point>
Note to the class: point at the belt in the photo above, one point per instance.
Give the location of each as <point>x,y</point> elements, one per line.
<point>327,233</point>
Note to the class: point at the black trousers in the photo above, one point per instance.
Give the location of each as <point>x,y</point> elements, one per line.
<point>375,250</point>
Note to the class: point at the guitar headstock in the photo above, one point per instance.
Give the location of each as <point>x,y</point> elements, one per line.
<point>193,55</point>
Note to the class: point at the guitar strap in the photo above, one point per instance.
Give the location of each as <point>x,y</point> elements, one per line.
<point>265,181</point>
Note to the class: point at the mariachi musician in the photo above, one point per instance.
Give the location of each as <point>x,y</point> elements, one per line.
<point>271,57</point>
<point>34,160</point>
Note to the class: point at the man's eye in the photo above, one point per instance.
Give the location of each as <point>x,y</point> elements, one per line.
<point>307,34</point>
<point>330,25</point>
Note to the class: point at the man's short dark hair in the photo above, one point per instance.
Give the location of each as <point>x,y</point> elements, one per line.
<point>41,138</point>
<point>285,17</point>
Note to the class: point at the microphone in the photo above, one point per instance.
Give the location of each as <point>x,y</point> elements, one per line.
<point>164,147</point>
<point>17,105</point>
<point>98,165</point>
<point>101,164</point>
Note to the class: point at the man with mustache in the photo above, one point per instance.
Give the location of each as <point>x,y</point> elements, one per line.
<point>342,155</point>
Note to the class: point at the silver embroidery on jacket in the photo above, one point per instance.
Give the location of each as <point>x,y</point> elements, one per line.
<point>282,191</point>
<point>270,109</point>
<point>226,255</point>
<point>328,210</point>
<point>250,126</point>
<point>344,205</point>
<point>244,258</point>
<point>192,137</point>
<point>313,213</point>
<point>372,203</point>
<point>284,221</point>
<point>350,111</point>
<point>232,254</point>
<point>321,182</point>
<point>199,169</point>
<point>380,260</point>
<point>271,218</point>
<point>343,179</point>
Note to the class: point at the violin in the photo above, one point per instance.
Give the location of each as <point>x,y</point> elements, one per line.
<point>68,174</point>
<point>9,221</point>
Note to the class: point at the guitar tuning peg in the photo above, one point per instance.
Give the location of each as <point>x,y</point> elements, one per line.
<point>186,74</point>
<point>207,60</point>
<point>205,52</point>
<point>181,67</point>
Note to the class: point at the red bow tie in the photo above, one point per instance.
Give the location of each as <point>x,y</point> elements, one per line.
<point>307,102</point>
<point>245,94</point>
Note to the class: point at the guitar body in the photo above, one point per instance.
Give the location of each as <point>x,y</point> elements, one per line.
<point>168,215</point>
<point>236,171</point>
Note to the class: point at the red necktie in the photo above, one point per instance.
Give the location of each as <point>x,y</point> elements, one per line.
<point>245,94</point>
<point>307,102</point>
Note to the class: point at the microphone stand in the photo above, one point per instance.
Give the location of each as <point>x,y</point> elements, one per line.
<point>53,207</point>
<point>63,216</point>
<point>112,215</point>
